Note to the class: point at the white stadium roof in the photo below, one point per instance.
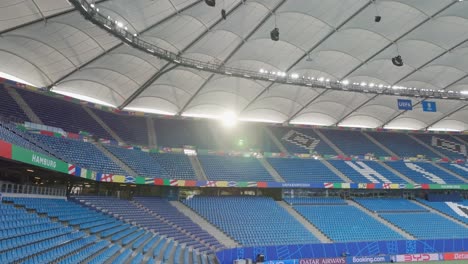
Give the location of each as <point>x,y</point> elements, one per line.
<point>49,43</point>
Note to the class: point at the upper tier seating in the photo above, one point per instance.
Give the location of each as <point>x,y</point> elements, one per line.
<point>366,171</point>
<point>178,133</point>
<point>427,225</point>
<point>9,108</point>
<point>460,169</point>
<point>389,205</point>
<point>163,208</point>
<point>233,168</point>
<point>81,153</point>
<point>60,113</point>
<point>303,170</point>
<point>9,134</point>
<point>402,145</point>
<point>346,223</point>
<point>423,172</point>
<point>141,162</point>
<point>178,166</point>
<point>353,143</point>
<point>252,220</point>
<point>133,212</point>
<point>427,138</point>
<point>315,200</point>
<point>132,129</point>
<point>458,210</point>
<point>321,148</point>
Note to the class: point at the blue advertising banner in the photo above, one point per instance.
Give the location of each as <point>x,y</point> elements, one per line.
<point>405,104</point>
<point>429,106</point>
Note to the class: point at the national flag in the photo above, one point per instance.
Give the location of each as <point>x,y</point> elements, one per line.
<point>130,179</point>
<point>158,181</point>
<point>394,186</point>
<point>370,186</point>
<point>417,186</point>
<point>402,186</point>
<point>71,169</point>
<point>232,184</point>
<point>221,184</point>
<point>262,184</point>
<point>104,141</point>
<point>174,183</point>
<point>210,184</point>
<point>362,185</point>
<point>118,178</point>
<point>386,185</point>
<point>190,183</point>
<point>181,182</point>
<point>328,185</point>
<point>251,184</point>
<point>425,186</point>
<point>345,185</point>
<point>106,177</point>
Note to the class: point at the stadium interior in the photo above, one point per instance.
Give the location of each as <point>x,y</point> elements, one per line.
<point>215,132</point>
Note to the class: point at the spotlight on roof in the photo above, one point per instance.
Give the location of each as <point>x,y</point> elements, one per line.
<point>274,34</point>
<point>229,119</point>
<point>210,2</point>
<point>397,61</point>
<point>377,19</point>
<point>223,14</point>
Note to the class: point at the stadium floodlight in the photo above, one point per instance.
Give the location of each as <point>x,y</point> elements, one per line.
<point>345,82</point>
<point>210,2</point>
<point>229,119</point>
<point>397,61</point>
<point>294,75</point>
<point>274,34</point>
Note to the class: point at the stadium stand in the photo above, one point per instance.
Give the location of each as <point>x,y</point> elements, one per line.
<point>80,153</point>
<point>268,223</point>
<point>178,133</point>
<point>366,171</point>
<point>315,201</point>
<point>62,114</point>
<point>9,108</point>
<point>312,144</point>
<point>460,169</point>
<point>132,129</point>
<point>457,210</point>
<point>10,134</point>
<point>414,219</point>
<point>233,168</point>
<point>178,166</point>
<point>303,170</point>
<point>429,138</point>
<point>402,145</point>
<point>423,172</point>
<point>164,209</point>
<point>161,217</point>
<point>342,222</point>
<point>389,205</point>
<point>141,162</point>
<point>353,142</point>
<point>109,239</point>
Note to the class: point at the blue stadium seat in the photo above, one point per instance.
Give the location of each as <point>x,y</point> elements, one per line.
<point>321,148</point>
<point>423,172</point>
<point>402,145</point>
<point>303,170</point>
<point>366,171</point>
<point>353,142</point>
<point>233,168</point>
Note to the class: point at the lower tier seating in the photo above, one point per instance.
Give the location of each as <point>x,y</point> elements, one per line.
<point>252,220</point>
<point>346,223</point>
<point>457,210</point>
<point>389,205</point>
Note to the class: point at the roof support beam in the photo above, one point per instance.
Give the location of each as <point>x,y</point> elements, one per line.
<point>44,18</point>
<point>399,38</point>
<point>305,106</point>
<point>355,109</point>
<point>40,11</point>
<point>312,49</point>
<point>447,115</point>
<point>430,61</point>
<point>234,51</point>
<point>156,76</point>
<point>454,82</point>
<point>119,44</point>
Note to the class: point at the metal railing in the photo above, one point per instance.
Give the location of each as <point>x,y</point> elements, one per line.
<point>13,188</point>
<point>116,28</point>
